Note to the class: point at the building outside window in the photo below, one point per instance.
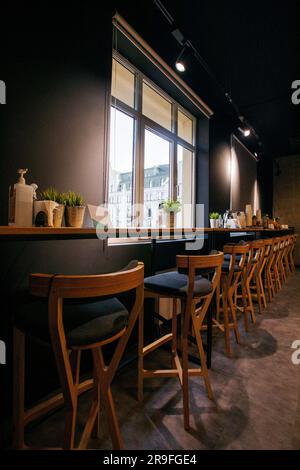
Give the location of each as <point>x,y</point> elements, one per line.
<point>152,150</point>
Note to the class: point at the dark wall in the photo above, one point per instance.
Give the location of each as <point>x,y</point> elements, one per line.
<point>57,78</point>
<point>266,183</point>
<point>219,163</point>
<point>202,167</point>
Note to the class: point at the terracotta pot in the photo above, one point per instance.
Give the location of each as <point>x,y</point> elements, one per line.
<point>58,214</point>
<point>74,216</point>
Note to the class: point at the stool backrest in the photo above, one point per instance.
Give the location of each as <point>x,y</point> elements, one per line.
<point>238,257</point>
<point>59,287</point>
<point>194,262</point>
<point>238,253</point>
<point>268,244</point>
<point>82,286</point>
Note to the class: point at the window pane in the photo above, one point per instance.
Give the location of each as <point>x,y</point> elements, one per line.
<point>156,176</point>
<point>120,169</point>
<point>185,127</point>
<point>185,177</point>
<point>156,107</point>
<point>122,84</point>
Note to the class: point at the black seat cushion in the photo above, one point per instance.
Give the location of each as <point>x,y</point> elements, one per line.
<point>227,257</point>
<point>226,265</point>
<point>85,321</point>
<point>174,283</point>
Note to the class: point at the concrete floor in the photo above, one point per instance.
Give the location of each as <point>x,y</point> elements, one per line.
<point>256,394</point>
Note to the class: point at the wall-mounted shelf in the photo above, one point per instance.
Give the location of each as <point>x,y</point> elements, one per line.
<point>69,233</point>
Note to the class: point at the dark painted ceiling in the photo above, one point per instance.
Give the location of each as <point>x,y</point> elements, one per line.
<point>253,49</point>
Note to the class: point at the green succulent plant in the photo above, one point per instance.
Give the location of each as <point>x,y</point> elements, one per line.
<point>214,215</point>
<point>171,205</point>
<point>51,194</point>
<point>72,199</point>
<point>62,198</point>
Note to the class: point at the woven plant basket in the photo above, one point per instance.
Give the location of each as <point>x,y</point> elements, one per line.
<point>74,216</point>
<point>58,214</point>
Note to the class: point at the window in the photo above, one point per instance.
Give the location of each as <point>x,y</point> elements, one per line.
<point>152,150</point>
<point>185,127</point>
<point>122,84</point>
<point>156,107</point>
<point>120,166</point>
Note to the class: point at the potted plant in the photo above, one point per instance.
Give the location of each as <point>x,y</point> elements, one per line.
<point>171,207</point>
<point>59,210</point>
<point>74,209</point>
<point>214,219</point>
<point>49,204</point>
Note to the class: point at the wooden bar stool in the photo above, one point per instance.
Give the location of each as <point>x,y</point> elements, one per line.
<point>281,270</point>
<point>76,313</point>
<point>285,257</point>
<point>291,253</point>
<point>194,293</point>
<point>270,254</point>
<point>256,286</point>
<point>243,290</point>
<point>275,265</point>
<point>232,269</point>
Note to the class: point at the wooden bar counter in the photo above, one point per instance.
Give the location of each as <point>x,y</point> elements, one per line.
<point>48,233</point>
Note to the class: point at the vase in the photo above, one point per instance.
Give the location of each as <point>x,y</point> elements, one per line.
<point>249,214</point>
<point>172,219</point>
<point>47,207</point>
<point>74,216</point>
<point>58,213</point>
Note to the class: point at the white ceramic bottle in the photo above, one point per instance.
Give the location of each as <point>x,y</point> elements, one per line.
<point>21,202</point>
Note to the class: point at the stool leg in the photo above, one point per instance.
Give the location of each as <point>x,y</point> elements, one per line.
<point>140,390</point>
<point>108,403</point>
<point>277,277</point>
<point>18,389</point>
<point>174,331</point>
<point>245,303</point>
<point>225,318</point>
<point>263,292</point>
<point>70,424</point>
<point>249,295</point>
<point>96,398</point>
<point>258,292</point>
<point>75,357</point>
<point>185,383</point>
<point>203,363</point>
<point>218,298</point>
<point>233,314</point>
<point>268,278</point>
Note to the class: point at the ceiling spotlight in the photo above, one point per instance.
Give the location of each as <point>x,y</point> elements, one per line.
<point>246,131</point>
<point>255,153</point>
<point>180,66</point>
<point>181,62</point>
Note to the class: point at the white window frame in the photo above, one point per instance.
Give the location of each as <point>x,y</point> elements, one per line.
<point>142,122</point>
